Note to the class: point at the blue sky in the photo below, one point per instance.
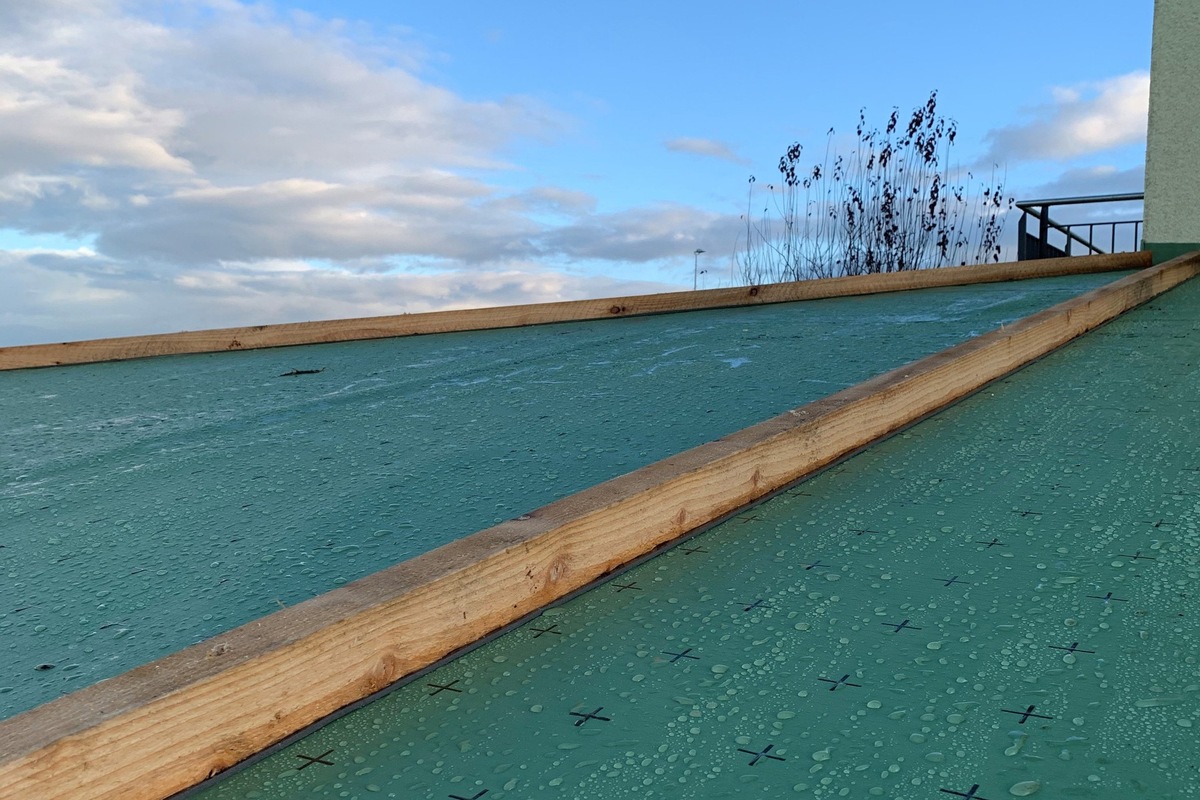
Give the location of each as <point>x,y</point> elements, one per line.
<point>209,163</point>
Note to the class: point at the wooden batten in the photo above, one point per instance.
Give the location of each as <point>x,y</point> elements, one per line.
<point>344,330</point>
<point>165,726</point>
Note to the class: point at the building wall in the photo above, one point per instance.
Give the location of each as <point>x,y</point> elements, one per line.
<point>1173,144</point>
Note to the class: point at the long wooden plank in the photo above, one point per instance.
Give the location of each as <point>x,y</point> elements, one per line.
<point>260,336</point>
<point>165,726</point>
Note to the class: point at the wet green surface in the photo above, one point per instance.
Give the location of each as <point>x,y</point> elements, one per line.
<point>148,505</point>
<point>878,631</point>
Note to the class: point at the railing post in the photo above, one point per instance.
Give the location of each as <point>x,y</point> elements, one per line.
<point>1022,247</point>
<point>1044,230</point>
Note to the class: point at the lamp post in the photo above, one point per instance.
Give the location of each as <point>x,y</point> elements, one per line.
<point>696,268</point>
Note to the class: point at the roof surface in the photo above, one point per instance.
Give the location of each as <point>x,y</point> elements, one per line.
<point>155,503</point>
<point>995,602</point>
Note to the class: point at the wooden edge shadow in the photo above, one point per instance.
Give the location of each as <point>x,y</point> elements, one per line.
<point>170,724</point>
<point>344,330</point>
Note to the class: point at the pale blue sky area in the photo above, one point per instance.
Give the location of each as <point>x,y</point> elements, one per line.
<point>207,163</point>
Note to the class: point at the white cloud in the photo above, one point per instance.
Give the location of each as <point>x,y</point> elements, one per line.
<point>1082,120</point>
<point>643,234</point>
<point>710,148</point>
<point>437,215</point>
<point>76,295</point>
<point>54,116</point>
<point>1097,180</point>
<point>236,166</point>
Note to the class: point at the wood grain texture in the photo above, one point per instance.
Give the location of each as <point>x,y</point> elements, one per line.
<point>165,726</point>
<point>343,330</point>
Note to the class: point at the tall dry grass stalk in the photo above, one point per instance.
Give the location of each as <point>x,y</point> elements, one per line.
<point>894,203</point>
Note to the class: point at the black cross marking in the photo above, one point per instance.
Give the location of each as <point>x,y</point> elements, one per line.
<point>1161,523</point>
<point>751,518</point>
<point>1026,714</point>
<point>951,581</point>
<point>815,564</point>
<point>900,626</point>
<point>842,681</point>
<point>690,550</point>
<point>1074,648</point>
<point>473,797</point>
<point>540,631</point>
<point>764,753</point>
<point>678,656</point>
<point>1027,513</point>
<point>623,586</point>
<point>992,543</point>
<point>756,604</point>
<point>861,531</point>
<point>585,717</point>
<point>439,688</point>
<point>1107,597</point>
<point>969,794</point>
<point>1136,556</point>
<point>310,760</point>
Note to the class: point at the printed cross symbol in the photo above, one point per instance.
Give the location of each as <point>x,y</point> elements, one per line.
<point>310,760</point>
<point>842,681</point>
<point>761,754</point>
<point>900,626</point>
<point>678,656</point>
<point>951,581</point>
<point>1026,714</point>
<point>969,794</point>
<point>438,688</point>
<point>1074,648</point>
<point>585,717</point>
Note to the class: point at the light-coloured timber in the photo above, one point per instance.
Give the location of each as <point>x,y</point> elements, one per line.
<point>345,330</point>
<point>165,726</point>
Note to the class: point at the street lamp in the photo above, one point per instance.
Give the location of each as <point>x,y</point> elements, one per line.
<point>696,268</point>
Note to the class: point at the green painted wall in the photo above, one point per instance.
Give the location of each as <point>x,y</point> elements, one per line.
<point>1173,144</point>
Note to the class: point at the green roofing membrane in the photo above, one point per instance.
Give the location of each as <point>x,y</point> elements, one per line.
<point>151,504</point>
<point>1000,601</point>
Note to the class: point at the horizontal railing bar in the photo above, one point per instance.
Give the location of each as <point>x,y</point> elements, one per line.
<point>1103,222</point>
<point>1072,201</point>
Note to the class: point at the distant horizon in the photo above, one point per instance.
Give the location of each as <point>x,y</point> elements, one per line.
<point>574,311</point>
<point>172,166</point>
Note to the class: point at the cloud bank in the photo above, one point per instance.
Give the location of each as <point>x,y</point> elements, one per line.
<point>1081,120</point>
<point>237,166</point>
<point>709,148</point>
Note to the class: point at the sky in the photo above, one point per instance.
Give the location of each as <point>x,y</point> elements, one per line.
<point>208,163</point>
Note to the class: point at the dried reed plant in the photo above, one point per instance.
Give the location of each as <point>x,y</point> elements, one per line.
<point>894,203</point>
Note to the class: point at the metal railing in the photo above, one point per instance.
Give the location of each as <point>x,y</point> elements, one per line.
<point>1039,245</point>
